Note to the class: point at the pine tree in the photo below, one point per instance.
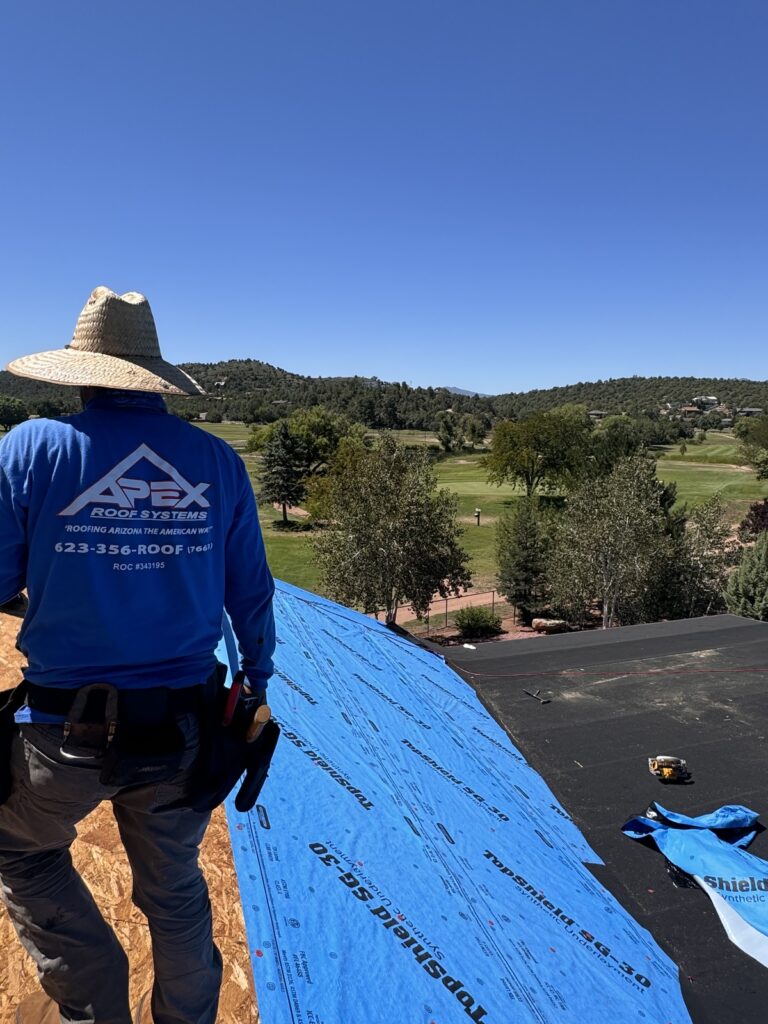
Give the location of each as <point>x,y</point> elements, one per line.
<point>284,470</point>
<point>747,590</point>
<point>521,548</point>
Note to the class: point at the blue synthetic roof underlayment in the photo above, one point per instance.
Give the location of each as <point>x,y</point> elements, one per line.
<point>406,863</point>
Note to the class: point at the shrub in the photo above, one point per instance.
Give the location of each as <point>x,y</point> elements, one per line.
<point>755,521</point>
<point>478,622</point>
<point>747,591</point>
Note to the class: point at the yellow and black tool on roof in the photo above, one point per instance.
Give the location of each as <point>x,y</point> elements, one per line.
<point>669,769</point>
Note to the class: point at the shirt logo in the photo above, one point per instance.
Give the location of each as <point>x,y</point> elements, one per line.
<point>115,488</point>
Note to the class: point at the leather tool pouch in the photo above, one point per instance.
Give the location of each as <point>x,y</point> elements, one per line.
<point>258,758</point>
<point>10,702</point>
<point>226,756</point>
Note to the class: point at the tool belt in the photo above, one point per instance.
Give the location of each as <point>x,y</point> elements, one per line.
<point>226,753</point>
<point>134,735</point>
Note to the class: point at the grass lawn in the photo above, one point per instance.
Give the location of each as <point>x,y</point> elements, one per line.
<point>289,555</point>
<point>712,466</point>
<point>719,447</point>
<point>409,436</point>
<point>696,482</point>
<point>464,475</point>
<point>480,543</point>
<point>288,552</point>
<point>235,434</point>
<point>716,465</point>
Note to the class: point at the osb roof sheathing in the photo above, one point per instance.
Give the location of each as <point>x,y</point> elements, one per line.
<point>99,856</point>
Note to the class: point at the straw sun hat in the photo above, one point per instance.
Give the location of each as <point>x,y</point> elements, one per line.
<point>114,346</point>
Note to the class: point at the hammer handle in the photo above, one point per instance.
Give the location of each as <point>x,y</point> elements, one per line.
<point>261,716</point>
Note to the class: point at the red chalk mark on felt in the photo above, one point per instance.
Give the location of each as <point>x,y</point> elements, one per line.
<point>491,923</point>
<point>258,952</point>
<point>401,917</point>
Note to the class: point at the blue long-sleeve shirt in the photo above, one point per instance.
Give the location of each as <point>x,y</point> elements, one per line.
<point>131,531</point>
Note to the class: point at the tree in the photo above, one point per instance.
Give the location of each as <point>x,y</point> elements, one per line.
<point>752,430</point>
<point>616,437</point>
<point>12,411</point>
<point>711,421</point>
<point>621,543</point>
<point>449,432</point>
<point>543,450</point>
<point>747,590</point>
<point>754,522</point>
<point>284,465</point>
<point>522,540</point>
<point>392,537</point>
<point>318,429</point>
<point>606,544</point>
<point>49,410</point>
<point>473,428</point>
<point>753,434</point>
<point>706,557</point>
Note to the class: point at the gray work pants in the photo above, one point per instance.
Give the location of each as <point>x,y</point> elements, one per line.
<point>80,962</point>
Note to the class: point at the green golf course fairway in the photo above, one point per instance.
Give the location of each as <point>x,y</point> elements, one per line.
<point>707,468</point>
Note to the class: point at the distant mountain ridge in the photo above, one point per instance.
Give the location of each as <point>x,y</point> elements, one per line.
<point>259,392</point>
<point>471,394</point>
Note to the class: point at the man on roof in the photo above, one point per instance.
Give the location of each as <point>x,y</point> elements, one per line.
<point>131,531</point>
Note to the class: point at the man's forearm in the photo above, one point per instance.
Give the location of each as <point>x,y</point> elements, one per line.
<point>254,626</point>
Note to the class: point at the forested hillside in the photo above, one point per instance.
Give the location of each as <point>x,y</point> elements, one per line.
<point>637,395</point>
<point>250,390</point>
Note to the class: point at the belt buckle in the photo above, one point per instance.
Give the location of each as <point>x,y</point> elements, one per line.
<point>76,729</point>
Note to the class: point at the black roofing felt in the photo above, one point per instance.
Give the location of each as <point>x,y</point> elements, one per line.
<point>694,689</point>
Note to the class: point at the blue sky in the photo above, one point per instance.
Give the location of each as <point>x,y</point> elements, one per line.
<point>493,194</point>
